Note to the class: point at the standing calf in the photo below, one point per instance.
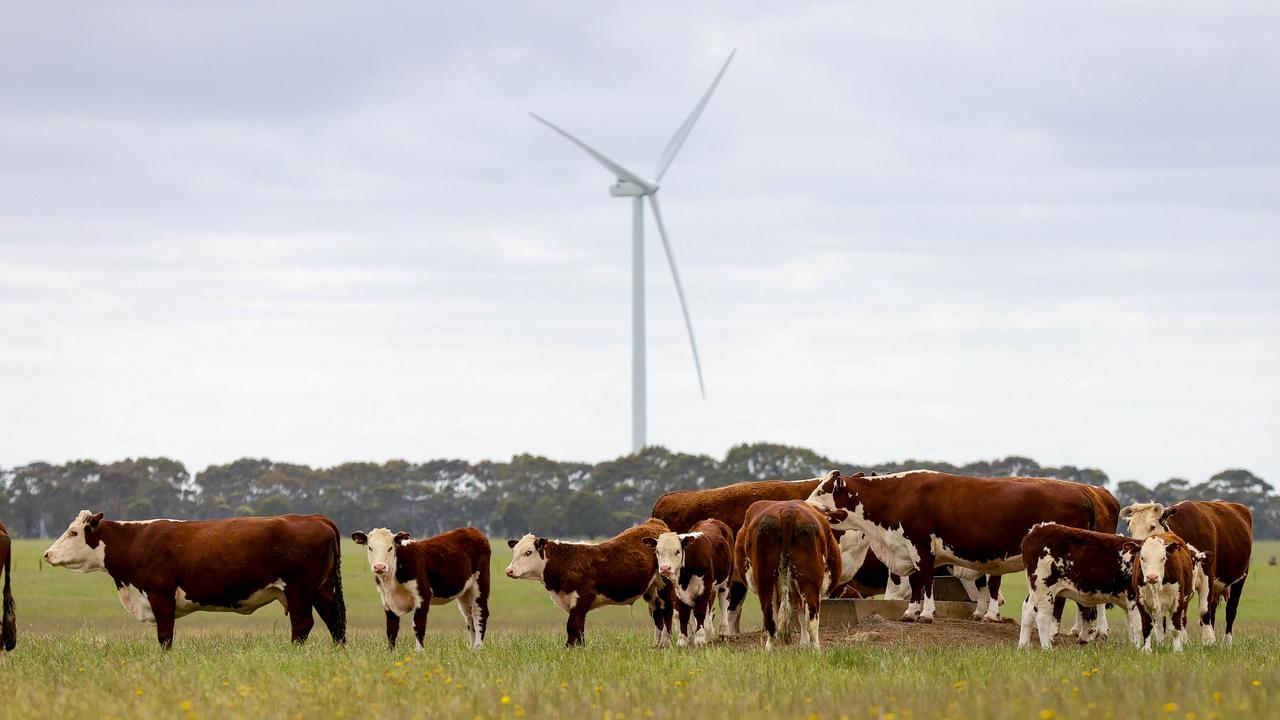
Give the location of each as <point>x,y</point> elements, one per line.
<point>789,557</point>
<point>583,576</point>
<point>699,564</point>
<point>413,576</point>
<point>1163,580</point>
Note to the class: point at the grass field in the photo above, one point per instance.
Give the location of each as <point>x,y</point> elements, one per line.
<point>80,654</point>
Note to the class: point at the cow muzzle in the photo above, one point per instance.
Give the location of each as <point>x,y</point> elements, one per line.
<point>664,570</point>
<point>380,568</point>
<point>511,573</point>
<point>1152,578</point>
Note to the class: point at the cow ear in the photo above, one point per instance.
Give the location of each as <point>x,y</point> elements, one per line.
<point>359,537</point>
<point>1204,556</point>
<point>94,520</point>
<point>1126,512</point>
<point>512,543</point>
<point>686,539</point>
<point>402,537</point>
<point>1173,546</point>
<point>858,475</point>
<point>650,541</point>
<point>1168,513</point>
<point>1132,546</point>
<point>540,545</point>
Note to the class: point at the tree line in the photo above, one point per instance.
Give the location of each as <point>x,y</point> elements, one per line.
<point>527,494</point>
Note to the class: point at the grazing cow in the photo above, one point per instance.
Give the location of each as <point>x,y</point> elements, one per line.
<point>788,555</point>
<point>698,564</point>
<point>1221,529</point>
<point>1091,568</point>
<point>918,520</point>
<point>1168,572</point>
<point>413,576</point>
<point>9,622</point>
<point>166,569</point>
<point>683,509</point>
<point>583,576</point>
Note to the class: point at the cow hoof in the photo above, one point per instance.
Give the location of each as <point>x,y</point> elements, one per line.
<point>988,618</point>
<point>907,618</point>
<point>924,619</point>
<point>977,617</point>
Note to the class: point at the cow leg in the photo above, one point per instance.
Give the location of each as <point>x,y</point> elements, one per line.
<point>917,581</point>
<point>722,595</point>
<point>465,606</point>
<point>1086,617</point>
<point>480,608</point>
<point>576,627</point>
<point>812,608</point>
<point>1029,619</point>
<point>1058,604</point>
<point>765,592</point>
<point>981,593</point>
<point>1147,626</point>
<point>163,608</point>
<point>297,603</point>
<point>393,628</point>
<point>683,611</point>
<point>1133,620</point>
<point>733,613</point>
<point>701,616</point>
<point>661,599</point>
<point>926,570</point>
<point>1233,602</point>
<point>332,614</point>
<point>1102,628</point>
<point>1179,625</point>
<point>993,591</point>
<point>897,588</point>
<point>420,624</point>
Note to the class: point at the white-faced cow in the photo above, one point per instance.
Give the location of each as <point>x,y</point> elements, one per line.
<point>1168,572</point>
<point>789,557</point>
<point>698,564</point>
<point>583,576</point>
<point>411,576</point>
<point>1221,529</point>
<point>166,569</point>
<point>9,621</point>
<point>683,509</point>
<point>918,520</point>
<point>1091,568</point>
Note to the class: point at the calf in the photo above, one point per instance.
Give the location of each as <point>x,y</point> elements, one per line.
<point>166,569</point>
<point>1089,567</point>
<point>789,557</point>
<point>9,622</point>
<point>583,576</point>
<point>413,576</point>
<point>1167,573</point>
<point>1223,530</point>
<point>698,564</point>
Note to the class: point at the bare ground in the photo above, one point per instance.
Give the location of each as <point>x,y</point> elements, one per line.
<point>876,631</point>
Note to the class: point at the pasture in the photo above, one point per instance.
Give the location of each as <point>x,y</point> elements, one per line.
<point>81,655</point>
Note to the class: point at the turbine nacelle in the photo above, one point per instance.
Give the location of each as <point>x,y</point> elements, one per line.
<point>626,188</point>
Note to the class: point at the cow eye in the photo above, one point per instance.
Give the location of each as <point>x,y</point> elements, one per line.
<point>528,552</point>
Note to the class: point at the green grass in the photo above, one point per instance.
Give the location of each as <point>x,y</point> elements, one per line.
<point>81,655</point>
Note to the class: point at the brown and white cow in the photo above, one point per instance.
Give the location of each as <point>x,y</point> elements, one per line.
<point>9,621</point>
<point>683,509</point>
<point>411,576</point>
<point>583,576</point>
<point>166,569</point>
<point>1169,570</point>
<point>699,565</point>
<point>788,555</point>
<point>1224,530</point>
<point>1091,568</point>
<point>918,520</point>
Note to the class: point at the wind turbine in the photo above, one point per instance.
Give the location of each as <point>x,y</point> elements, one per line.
<point>631,185</point>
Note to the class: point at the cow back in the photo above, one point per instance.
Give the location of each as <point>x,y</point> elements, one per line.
<point>681,510</point>
<point>1225,528</point>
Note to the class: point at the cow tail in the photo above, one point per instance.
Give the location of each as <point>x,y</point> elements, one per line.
<point>1093,514</point>
<point>339,603</point>
<point>9,624</point>
<point>782,588</point>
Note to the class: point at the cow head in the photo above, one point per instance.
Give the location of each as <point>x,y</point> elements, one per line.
<point>1152,558</point>
<point>80,548</point>
<point>1147,519</point>
<point>381,546</point>
<point>528,557</point>
<point>669,548</point>
<point>833,495</point>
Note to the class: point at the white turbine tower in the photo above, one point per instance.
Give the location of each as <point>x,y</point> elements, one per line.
<point>637,188</point>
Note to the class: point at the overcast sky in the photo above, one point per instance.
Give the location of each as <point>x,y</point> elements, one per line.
<point>320,232</point>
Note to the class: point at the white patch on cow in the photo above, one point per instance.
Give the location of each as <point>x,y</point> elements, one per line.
<point>912,612</point>
<point>146,522</point>
<point>897,588</point>
<point>399,598</point>
<point>564,601</point>
<point>926,614</point>
<point>273,592</point>
<point>853,553</point>
<point>944,555</point>
<point>1144,520</point>
<point>669,552</point>
<point>526,562</point>
<point>690,593</point>
<point>72,552</point>
<point>137,603</point>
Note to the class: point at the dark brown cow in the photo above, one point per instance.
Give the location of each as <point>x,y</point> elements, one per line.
<point>1168,571</point>
<point>1092,568</point>
<point>413,576</point>
<point>918,520</point>
<point>9,623</point>
<point>1222,529</point>
<point>583,576</point>
<point>789,556</point>
<point>683,509</point>
<point>699,565</point>
<point>166,569</point>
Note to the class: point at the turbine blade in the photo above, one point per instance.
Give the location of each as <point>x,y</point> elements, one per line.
<point>677,140</point>
<point>618,171</point>
<point>675,275</point>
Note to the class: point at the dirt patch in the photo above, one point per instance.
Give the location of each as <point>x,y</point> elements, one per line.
<point>876,631</point>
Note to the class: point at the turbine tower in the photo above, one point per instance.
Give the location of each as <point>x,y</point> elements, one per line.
<point>631,185</point>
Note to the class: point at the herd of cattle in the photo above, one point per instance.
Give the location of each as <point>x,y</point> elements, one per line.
<point>792,543</point>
